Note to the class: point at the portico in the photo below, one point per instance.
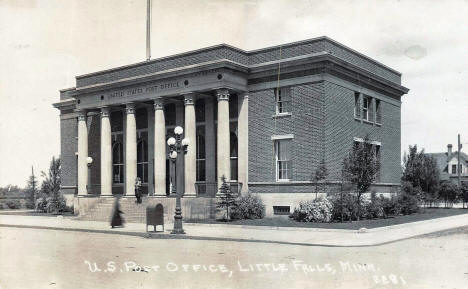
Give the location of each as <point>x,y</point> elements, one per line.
<point>133,135</point>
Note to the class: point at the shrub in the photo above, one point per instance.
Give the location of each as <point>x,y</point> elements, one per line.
<point>56,205</point>
<point>449,193</point>
<point>345,207</point>
<point>41,204</point>
<point>13,204</point>
<point>1,207</point>
<point>374,208</point>
<point>390,206</point>
<point>248,207</point>
<point>317,210</point>
<point>408,204</point>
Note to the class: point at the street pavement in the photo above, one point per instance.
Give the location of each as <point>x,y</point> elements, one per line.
<point>286,235</point>
<point>38,258</point>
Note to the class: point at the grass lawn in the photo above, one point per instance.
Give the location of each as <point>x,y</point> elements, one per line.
<point>424,214</point>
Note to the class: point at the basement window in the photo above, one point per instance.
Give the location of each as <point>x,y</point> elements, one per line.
<point>281,210</point>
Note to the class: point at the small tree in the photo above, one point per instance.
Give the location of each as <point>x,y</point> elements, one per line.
<point>31,190</point>
<point>360,168</point>
<point>421,171</point>
<point>227,197</point>
<point>51,186</point>
<point>320,175</point>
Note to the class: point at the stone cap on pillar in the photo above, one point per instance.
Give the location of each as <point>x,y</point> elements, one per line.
<point>130,108</point>
<point>222,94</point>
<point>82,114</point>
<point>105,111</point>
<point>244,94</point>
<point>189,98</point>
<point>158,103</point>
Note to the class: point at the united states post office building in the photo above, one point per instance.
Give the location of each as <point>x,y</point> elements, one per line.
<point>264,119</point>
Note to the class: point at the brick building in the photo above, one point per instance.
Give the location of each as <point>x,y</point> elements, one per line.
<point>263,118</point>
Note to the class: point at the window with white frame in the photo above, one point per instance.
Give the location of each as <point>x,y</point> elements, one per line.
<point>365,107</point>
<point>283,159</point>
<point>283,100</point>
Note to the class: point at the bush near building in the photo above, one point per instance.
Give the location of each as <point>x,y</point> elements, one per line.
<point>248,207</point>
<point>317,210</point>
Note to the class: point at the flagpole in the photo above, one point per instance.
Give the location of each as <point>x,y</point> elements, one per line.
<point>148,29</point>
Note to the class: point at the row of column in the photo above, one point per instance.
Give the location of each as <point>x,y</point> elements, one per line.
<point>223,146</point>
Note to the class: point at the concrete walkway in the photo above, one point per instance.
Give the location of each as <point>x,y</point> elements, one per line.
<point>283,235</point>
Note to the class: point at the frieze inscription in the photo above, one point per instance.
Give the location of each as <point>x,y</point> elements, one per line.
<point>148,89</point>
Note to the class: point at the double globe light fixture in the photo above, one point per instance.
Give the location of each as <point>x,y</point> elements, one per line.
<point>176,147</point>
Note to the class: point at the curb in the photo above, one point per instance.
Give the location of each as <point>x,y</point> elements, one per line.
<point>166,235</point>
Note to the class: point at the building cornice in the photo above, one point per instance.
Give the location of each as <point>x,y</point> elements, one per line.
<point>225,51</point>
<point>322,60</point>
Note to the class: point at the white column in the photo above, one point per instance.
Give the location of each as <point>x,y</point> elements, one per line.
<point>106,153</point>
<point>159,148</point>
<point>223,136</point>
<point>82,153</point>
<point>243,141</point>
<point>130,151</point>
<point>190,161</point>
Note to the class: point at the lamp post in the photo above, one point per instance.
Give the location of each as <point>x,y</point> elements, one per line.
<point>176,146</point>
<point>89,161</point>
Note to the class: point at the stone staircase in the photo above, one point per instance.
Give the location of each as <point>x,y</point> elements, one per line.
<point>195,208</point>
<point>133,212</point>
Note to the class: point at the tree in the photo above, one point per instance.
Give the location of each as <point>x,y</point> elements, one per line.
<point>360,168</point>
<point>464,194</point>
<point>320,175</point>
<point>227,197</point>
<point>31,190</point>
<point>449,193</point>
<point>51,186</point>
<point>421,171</point>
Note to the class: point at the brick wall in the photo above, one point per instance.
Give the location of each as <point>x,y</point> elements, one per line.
<point>305,123</point>
<point>323,126</point>
<point>68,147</point>
<point>94,151</point>
<point>341,127</point>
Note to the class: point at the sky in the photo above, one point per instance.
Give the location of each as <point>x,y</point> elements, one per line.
<point>45,44</point>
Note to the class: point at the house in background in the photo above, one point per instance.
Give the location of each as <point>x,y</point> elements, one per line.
<point>447,164</point>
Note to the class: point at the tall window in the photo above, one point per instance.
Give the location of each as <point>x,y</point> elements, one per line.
<point>283,159</point>
<point>454,169</point>
<point>200,154</point>
<point>357,104</point>
<point>378,111</point>
<point>283,100</point>
<point>365,108</point>
<point>117,163</point>
<point>233,155</point>
<point>142,161</point>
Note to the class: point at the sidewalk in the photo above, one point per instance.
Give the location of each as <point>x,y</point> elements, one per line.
<point>283,235</point>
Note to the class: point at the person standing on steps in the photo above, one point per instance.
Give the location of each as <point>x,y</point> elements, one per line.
<point>138,190</point>
<point>117,220</point>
